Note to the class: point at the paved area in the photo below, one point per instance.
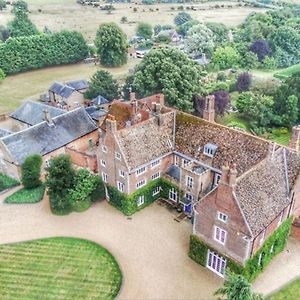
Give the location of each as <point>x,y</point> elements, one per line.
<point>151,247</point>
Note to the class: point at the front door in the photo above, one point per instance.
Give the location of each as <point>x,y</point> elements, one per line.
<point>216,263</point>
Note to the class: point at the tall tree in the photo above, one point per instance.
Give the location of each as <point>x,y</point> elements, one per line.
<point>31,171</point>
<point>226,57</point>
<point>261,48</point>
<point>171,72</point>
<point>144,30</point>
<point>111,45</point>
<point>220,32</point>
<point>20,5</point>
<point>243,82</point>
<point>102,83</point>
<point>182,17</point>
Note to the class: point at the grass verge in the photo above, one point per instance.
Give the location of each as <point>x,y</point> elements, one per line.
<point>26,195</point>
<point>7,182</point>
<point>288,72</point>
<point>291,291</point>
<point>57,269</point>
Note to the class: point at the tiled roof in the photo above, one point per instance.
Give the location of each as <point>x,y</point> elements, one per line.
<point>32,112</point>
<point>193,133</point>
<point>61,90</point>
<point>262,192</point>
<point>99,100</point>
<point>78,84</point>
<point>95,112</point>
<point>147,140</point>
<point>44,138</point>
<point>293,163</point>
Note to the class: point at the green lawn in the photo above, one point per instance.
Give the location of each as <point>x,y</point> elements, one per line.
<point>290,292</point>
<point>7,182</point>
<point>58,268</point>
<point>27,196</point>
<point>285,73</point>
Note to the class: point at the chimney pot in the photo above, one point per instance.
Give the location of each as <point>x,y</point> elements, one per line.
<point>232,175</point>
<point>225,172</point>
<point>111,123</point>
<point>132,96</point>
<point>47,117</point>
<point>209,109</point>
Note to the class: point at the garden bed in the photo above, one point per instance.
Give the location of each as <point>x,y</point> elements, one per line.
<point>26,196</point>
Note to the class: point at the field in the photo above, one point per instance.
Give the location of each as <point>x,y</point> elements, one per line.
<point>58,268</point>
<point>31,84</point>
<point>291,291</point>
<point>67,14</point>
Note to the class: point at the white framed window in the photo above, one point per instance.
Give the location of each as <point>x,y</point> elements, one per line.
<point>189,181</point>
<point>280,219</point>
<point>140,183</point>
<point>176,160</point>
<point>216,263</point>
<point>210,150</point>
<point>103,163</point>
<point>121,186</point>
<point>173,194</point>
<point>140,200</point>
<point>222,217</point>
<point>118,156</point>
<point>121,173</point>
<point>169,143</point>
<point>47,163</point>
<point>262,238</point>
<point>155,176</point>
<point>217,178</point>
<point>220,235</point>
<point>259,259</point>
<point>104,177</point>
<point>155,163</point>
<point>156,191</point>
<point>189,196</point>
<point>141,170</point>
<point>104,149</point>
<point>185,162</point>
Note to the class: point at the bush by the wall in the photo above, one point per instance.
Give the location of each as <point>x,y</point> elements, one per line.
<point>128,203</point>
<point>31,171</point>
<point>37,51</point>
<point>198,251</point>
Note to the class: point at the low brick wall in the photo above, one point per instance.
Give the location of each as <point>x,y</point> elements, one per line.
<point>83,159</point>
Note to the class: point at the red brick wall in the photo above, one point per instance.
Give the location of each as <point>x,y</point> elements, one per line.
<point>83,160</point>
<point>83,142</point>
<point>296,190</point>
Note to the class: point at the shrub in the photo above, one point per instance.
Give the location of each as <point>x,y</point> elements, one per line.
<point>182,17</point>
<point>243,82</point>
<point>7,182</point>
<point>27,195</point>
<point>261,48</point>
<point>2,75</point>
<point>31,171</point>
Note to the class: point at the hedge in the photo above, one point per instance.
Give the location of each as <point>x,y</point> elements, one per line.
<point>27,195</point>
<point>198,251</point>
<point>128,203</point>
<point>7,182</point>
<point>38,51</point>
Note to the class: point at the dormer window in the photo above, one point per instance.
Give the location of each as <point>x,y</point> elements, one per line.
<point>210,150</point>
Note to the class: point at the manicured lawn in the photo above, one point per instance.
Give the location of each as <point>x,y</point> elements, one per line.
<point>234,118</point>
<point>290,292</point>
<point>59,269</point>
<point>7,182</point>
<point>285,73</point>
<point>27,196</point>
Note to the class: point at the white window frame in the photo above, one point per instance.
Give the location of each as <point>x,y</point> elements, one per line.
<point>104,177</point>
<point>155,175</point>
<point>222,217</point>
<point>122,173</point>
<point>218,235</point>
<point>189,181</point>
<point>155,163</point>
<point>118,156</point>
<point>140,171</point>
<point>217,178</point>
<point>103,163</point>
<point>47,163</point>
<point>262,238</point>
<point>104,149</point>
<point>259,259</point>
<point>140,200</point>
<point>280,219</point>
<point>141,183</point>
<point>189,196</point>
<point>156,191</point>
<point>216,263</point>
<point>121,186</point>
<point>173,194</point>
<point>208,151</point>
<point>186,162</point>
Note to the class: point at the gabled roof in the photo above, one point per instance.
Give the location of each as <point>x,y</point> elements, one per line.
<point>78,84</point>
<point>31,112</point>
<point>263,191</point>
<point>99,100</point>
<point>44,138</point>
<point>147,140</point>
<point>4,132</point>
<point>61,90</point>
<point>193,133</point>
<point>95,112</point>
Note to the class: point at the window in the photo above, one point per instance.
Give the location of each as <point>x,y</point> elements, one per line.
<point>280,219</point>
<point>104,177</point>
<point>140,183</point>
<point>210,150</point>
<point>156,191</point>
<point>169,143</point>
<point>104,149</point>
<point>47,163</point>
<point>141,170</point>
<point>185,162</point>
<point>155,163</point>
<point>155,176</point>
<point>189,196</point>
<point>121,186</point>
<point>220,235</point>
<point>177,160</point>
<point>140,200</point>
<point>173,194</point>
<point>189,181</point>
<point>118,156</point>
<point>217,178</point>
<point>222,217</point>
<point>103,163</point>
<point>122,173</point>
<point>262,237</point>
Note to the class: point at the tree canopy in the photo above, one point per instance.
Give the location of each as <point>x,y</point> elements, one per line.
<point>171,72</point>
<point>111,44</point>
<point>182,17</point>
<point>31,171</point>
<point>226,57</point>
<point>144,30</point>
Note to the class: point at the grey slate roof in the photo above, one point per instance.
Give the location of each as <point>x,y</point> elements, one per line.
<point>78,84</point>
<point>99,100</point>
<point>32,112</point>
<point>263,192</point>
<point>96,113</point>
<point>44,138</point>
<point>61,90</point>
<point>4,132</point>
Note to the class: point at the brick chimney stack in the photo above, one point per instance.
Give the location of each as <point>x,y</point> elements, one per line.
<point>132,96</point>
<point>209,109</point>
<point>232,175</point>
<point>225,173</point>
<point>111,124</point>
<point>47,117</point>
<point>295,139</point>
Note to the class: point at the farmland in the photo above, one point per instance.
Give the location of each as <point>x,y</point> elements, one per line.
<point>58,268</point>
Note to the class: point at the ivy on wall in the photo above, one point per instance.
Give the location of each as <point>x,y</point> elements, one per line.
<point>128,203</point>
<point>256,264</point>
